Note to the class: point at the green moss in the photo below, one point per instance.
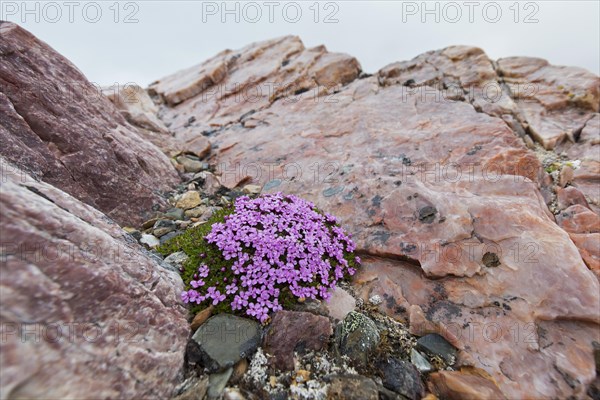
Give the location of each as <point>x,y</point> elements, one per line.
<point>552,167</point>
<point>192,243</point>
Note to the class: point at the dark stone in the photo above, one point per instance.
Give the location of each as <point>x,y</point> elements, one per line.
<point>165,238</point>
<point>357,337</point>
<point>163,226</point>
<point>137,235</point>
<point>490,260</point>
<point>332,191</point>
<point>435,344</point>
<point>427,214</point>
<point>402,377</point>
<point>225,339</point>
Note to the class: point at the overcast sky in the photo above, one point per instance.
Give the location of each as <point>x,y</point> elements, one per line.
<point>141,41</point>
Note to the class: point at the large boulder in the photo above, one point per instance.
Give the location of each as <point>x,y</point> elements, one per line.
<point>86,313</point>
<point>430,164</point>
<point>59,127</point>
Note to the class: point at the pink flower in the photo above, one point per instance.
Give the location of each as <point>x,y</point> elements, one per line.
<point>274,242</point>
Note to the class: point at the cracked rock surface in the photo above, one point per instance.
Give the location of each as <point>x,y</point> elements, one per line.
<point>470,186</point>
<point>434,165</point>
<point>84,309</point>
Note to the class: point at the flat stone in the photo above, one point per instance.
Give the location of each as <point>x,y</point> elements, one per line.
<point>200,146</point>
<point>163,226</point>
<point>149,223</point>
<point>176,259</point>
<point>225,339</point>
<point>435,344</point>
<point>189,200</point>
<point>351,387</point>
<point>149,240</point>
<point>202,212</point>
<point>570,196</point>
<point>579,219</point>
<point>455,385</point>
<point>252,189</point>
<point>340,304</point>
<point>292,331</point>
<point>419,361</point>
<point>401,377</point>
<point>174,214</point>
<point>166,237</point>
<point>357,337</point>
<point>217,383</point>
<point>190,165</point>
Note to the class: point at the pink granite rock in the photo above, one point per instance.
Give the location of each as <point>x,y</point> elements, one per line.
<point>428,164</point>
<point>86,313</point>
<point>60,128</point>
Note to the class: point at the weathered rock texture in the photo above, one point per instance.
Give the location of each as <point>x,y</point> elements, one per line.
<point>86,313</point>
<point>430,164</point>
<point>61,129</point>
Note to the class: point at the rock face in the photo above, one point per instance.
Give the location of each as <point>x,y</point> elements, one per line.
<point>432,164</point>
<point>84,309</point>
<point>61,129</point>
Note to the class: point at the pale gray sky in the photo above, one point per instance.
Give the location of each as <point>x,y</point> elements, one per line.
<point>141,41</point>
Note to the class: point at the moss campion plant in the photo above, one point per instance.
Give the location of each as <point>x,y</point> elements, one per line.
<point>261,253</point>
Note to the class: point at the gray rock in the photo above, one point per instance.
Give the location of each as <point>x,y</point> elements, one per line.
<point>436,345</point>
<point>175,260</point>
<point>199,212</point>
<point>149,240</point>
<point>225,339</point>
<point>419,361</point>
<point>401,377</point>
<point>357,336</point>
<point>375,300</point>
<point>134,233</point>
<point>190,165</point>
<point>169,236</point>
<point>217,383</point>
<point>174,214</point>
<point>163,226</point>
